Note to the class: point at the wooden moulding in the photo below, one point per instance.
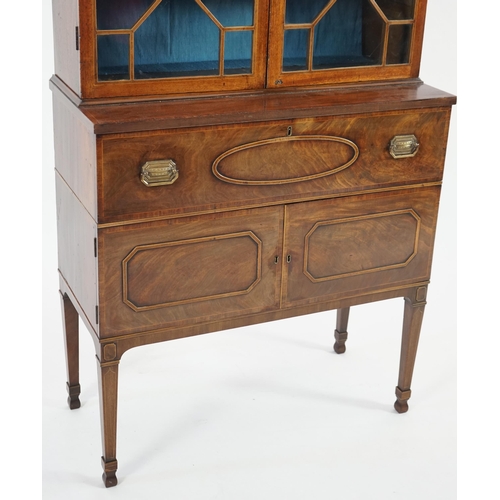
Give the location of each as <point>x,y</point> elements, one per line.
<point>263,107</point>
<point>167,112</point>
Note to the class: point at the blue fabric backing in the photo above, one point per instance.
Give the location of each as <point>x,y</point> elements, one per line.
<point>179,39</point>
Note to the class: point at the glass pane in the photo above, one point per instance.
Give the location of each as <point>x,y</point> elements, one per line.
<point>230,13</point>
<point>350,33</point>
<point>398,50</point>
<point>177,39</point>
<point>120,14</point>
<point>373,34</point>
<point>301,12</point>
<point>339,38</point>
<point>397,9</point>
<point>238,52</point>
<point>113,57</point>
<point>296,49</point>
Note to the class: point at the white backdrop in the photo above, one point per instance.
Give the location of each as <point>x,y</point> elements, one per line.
<point>267,412</point>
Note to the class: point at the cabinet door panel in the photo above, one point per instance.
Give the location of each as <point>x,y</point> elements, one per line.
<point>153,47</point>
<point>171,273</point>
<point>328,41</point>
<point>358,244</point>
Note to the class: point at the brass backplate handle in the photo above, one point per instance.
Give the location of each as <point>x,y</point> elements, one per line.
<point>159,173</point>
<point>403,146</point>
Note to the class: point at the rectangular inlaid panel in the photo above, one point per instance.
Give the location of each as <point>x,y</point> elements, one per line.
<point>347,246</point>
<point>247,165</point>
<point>183,271</point>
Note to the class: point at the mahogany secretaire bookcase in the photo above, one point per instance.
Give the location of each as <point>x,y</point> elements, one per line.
<point>221,163</point>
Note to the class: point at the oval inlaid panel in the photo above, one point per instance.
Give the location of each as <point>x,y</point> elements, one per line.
<point>285,159</point>
<point>180,272</point>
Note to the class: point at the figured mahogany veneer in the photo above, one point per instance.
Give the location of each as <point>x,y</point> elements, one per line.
<point>171,273</point>
<point>190,133</point>
<point>191,201</point>
<point>356,245</point>
<point>221,164</point>
<point>284,204</point>
<point>251,168</point>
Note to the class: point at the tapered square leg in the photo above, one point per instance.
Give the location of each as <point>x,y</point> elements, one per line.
<point>70,327</point>
<point>412,323</point>
<point>341,330</point>
<point>108,395</point>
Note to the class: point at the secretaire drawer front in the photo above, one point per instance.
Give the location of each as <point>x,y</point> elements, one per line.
<point>359,244</point>
<point>171,273</point>
<point>164,173</point>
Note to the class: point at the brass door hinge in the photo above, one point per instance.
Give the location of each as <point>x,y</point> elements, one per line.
<point>77,38</point>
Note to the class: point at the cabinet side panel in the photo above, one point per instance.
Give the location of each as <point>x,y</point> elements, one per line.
<point>75,151</point>
<point>77,261</point>
<point>66,54</point>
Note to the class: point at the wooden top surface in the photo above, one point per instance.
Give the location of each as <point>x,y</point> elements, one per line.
<point>110,118</point>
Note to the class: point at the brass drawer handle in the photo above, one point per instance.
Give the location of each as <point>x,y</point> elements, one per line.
<point>403,146</point>
<point>159,173</point>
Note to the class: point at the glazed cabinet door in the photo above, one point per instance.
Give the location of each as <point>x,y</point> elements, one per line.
<point>153,47</point>
<point>355,245</point>
<point>175,273</point>
<point>150,48</point>
<point>333,41</point>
